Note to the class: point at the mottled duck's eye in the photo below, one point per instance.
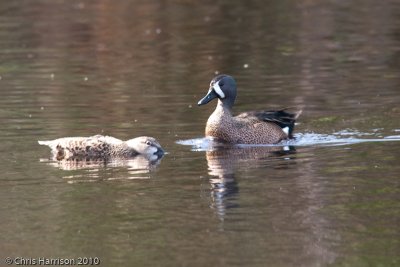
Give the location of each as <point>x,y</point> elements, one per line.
<point>148,143</point>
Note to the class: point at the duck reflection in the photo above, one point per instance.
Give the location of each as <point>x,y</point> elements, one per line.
<point>95,169</point>
<point>140,155</point>
<point>222,162</point>
<point>139,162</point>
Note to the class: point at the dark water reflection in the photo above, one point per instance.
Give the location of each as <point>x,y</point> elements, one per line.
<point>131,68</point>
<point>283,209</point>
<point>222,163</point>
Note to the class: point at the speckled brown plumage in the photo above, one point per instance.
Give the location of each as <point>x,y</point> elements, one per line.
<point>100,146</point>
<point>264,127</point>
<point>242,130</point>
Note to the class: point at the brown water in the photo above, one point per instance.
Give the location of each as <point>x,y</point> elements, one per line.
<point>130,68</point>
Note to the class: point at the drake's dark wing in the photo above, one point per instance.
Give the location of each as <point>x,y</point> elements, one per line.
<point>280,117</point>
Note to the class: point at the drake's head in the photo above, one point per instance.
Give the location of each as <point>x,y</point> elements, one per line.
<point>222,87</point>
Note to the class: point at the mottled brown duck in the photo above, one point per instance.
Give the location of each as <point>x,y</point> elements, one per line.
<point>100,146</point>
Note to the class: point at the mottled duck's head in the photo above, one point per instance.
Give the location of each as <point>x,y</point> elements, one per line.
<point>147,146</point>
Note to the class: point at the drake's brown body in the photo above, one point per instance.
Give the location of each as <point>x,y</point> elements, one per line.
<point>242,129</point>
<point>263,127</point>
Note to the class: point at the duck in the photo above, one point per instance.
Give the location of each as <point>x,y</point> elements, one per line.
<point>100,146</point>
<point>253,127</point>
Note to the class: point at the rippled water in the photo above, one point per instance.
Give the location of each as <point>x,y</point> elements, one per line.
<point>129,68</point>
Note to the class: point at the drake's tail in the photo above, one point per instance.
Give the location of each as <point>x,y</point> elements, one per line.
<point>282,118</point>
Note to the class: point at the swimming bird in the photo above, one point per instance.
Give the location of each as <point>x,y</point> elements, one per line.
<point>254,127</point>
<point>100,146</point>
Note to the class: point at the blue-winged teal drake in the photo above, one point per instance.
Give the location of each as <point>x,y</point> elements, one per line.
<point>255,127</point>
<point>99,146</point>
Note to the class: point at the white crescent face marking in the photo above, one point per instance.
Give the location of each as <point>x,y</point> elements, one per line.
<point>218,90</point>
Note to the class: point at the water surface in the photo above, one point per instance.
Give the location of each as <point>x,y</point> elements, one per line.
<point>79,68</point>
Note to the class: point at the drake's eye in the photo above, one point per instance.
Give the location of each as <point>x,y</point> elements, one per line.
<point>221,84</point>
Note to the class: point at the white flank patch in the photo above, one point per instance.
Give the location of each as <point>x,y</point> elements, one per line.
<point>218,90</point>
<point>286,130</point>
